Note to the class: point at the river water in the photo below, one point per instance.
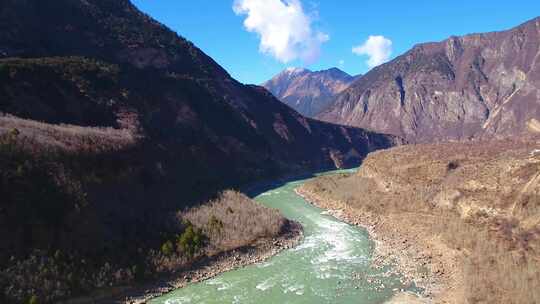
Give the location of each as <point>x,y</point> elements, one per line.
<point>331,265</point>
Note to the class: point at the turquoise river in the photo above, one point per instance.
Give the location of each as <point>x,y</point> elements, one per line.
<point>330,265</point>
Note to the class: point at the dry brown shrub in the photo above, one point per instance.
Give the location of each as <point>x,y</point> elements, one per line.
<point>234,220</point>
<point>69,137</point>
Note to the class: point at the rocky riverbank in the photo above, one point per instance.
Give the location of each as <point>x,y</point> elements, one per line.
<point>421,259</point>
<point>204,269</point>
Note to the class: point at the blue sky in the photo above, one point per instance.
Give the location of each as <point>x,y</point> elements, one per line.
<point>334,28</point>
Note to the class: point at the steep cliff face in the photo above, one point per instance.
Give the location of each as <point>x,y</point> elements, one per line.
<point>308,92</point>
<point>475,86</point>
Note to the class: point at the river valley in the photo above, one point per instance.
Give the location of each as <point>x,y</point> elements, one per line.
<point>331,265</point>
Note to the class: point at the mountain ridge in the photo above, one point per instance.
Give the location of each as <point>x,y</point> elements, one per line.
<point>308,92</point>
<point>473,86</point>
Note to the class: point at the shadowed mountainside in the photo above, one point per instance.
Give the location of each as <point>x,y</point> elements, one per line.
<point>111,123</point>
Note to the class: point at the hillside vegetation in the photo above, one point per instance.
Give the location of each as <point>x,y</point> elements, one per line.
<point>111,124</point>
<point>47,222</point>
<point>481,199</point>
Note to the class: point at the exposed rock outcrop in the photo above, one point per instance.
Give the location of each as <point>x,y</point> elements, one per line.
<point>475,86</point>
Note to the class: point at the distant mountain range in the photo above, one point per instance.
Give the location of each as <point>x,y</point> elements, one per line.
<point>308,92</point>
<point>475,86</point>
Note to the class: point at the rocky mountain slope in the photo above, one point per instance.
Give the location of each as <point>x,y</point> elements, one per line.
<point>308,92</point>
<point>475,86</point>
<point>111,123</point>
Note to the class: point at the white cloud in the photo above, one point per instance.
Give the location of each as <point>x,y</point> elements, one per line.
<point>284,28</point>
<point>341,62</point>
<point>378,48</point>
